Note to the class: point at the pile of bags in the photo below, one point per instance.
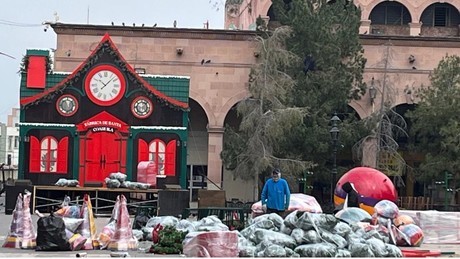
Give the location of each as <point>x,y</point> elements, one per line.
<point>402,228</point>
<point>207,237</point>
<point>308,234</point>
<point>118,180</point>
<point>69,228</point>
<point>67,182</point>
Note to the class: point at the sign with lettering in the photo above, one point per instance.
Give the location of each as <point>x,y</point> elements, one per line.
<point>103,129</point>
<point>105,122</point>
<point>92,124</point>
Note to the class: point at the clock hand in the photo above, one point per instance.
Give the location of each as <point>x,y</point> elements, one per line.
<point>106,83</point>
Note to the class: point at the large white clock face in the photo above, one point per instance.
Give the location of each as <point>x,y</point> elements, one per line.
<point>105,85</point>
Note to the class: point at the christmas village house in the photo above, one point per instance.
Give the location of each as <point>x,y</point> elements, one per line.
<point>100,119</point>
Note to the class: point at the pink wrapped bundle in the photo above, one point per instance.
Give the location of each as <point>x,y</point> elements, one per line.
<point>14,238</point>
<point>298,201</point>
<point>212,244</point>
<point>107,232</point>
<point>77,242</point>
<point>123,238</point>
<point>29,236</point>
<point>413,233</point>
<point>88,228</point>
<point>68,211</point>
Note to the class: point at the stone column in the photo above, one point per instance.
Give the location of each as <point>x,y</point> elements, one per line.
<point>215,144</point>
<point>415,29</point>
<point>365,27</point>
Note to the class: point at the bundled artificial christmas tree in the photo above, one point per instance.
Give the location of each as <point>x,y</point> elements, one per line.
<point>169,241</point>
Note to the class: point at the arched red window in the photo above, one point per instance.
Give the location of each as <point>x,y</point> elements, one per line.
<point>48,155</point>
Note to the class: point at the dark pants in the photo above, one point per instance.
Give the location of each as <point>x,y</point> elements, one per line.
<point>279,212</point>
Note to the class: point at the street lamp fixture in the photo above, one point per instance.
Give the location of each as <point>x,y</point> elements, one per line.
<point>372,91</point>
<point>335,120</point>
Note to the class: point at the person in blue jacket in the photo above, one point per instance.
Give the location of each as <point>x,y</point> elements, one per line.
<point>275,194</point>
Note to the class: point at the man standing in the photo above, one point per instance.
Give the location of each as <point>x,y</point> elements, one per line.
<point>275,194</point>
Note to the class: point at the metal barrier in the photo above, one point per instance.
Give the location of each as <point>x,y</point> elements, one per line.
<point>234,218</point>
<point>99,203</point>
<point>415,203</point>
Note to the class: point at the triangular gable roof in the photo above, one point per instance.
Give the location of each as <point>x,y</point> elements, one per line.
<point>76,73</point>
<point>103,119</point>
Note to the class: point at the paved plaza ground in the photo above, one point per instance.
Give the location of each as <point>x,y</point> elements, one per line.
<point>5,221</point>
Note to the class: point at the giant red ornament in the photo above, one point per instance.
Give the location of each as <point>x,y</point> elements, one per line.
<point>371,184</point>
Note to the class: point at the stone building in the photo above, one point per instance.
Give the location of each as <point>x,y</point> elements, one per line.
<point>403,43</point>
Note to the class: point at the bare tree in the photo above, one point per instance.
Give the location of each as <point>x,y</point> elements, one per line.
<point>266,119</point>
<point>381,146</point>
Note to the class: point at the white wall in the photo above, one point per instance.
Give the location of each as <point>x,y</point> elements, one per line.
<point>237,188</point>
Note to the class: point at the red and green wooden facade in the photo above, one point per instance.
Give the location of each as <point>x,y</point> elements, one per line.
<point>101,118</point>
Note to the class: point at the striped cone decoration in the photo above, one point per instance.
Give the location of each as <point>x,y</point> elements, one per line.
<point>123,238</point>
<point>15,234</point>
<point>88,228</point>
<point>29,236</point>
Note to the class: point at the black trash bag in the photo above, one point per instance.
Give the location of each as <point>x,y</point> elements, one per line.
<point>141,220</point>
<point>51,234</point>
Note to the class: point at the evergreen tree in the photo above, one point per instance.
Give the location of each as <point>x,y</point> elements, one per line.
<point>266,120</point>
<point>436,119</point>
<point>325,36</point>
<point>309,68</point>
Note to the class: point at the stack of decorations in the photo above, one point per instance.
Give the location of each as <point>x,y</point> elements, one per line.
<point>71,217</point>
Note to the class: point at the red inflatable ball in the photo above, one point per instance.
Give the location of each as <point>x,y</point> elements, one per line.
<point>372,185</point>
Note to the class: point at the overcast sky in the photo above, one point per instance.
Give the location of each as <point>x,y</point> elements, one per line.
<point>21,27</point>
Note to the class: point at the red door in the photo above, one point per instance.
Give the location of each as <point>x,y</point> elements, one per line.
<point>103,155</point>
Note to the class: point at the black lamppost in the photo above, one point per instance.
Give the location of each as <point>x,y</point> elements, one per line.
<point>335,139</point>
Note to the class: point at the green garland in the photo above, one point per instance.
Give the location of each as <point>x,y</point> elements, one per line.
<point>169,241</point>
<point>25,64</point>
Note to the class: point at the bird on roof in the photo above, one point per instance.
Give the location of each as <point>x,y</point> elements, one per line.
<point>202,61</point>
<point>113,24</point>
<point>123,23</point>
<point>155,25</point>
<point>175,23</point>
<point>207,61</point>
